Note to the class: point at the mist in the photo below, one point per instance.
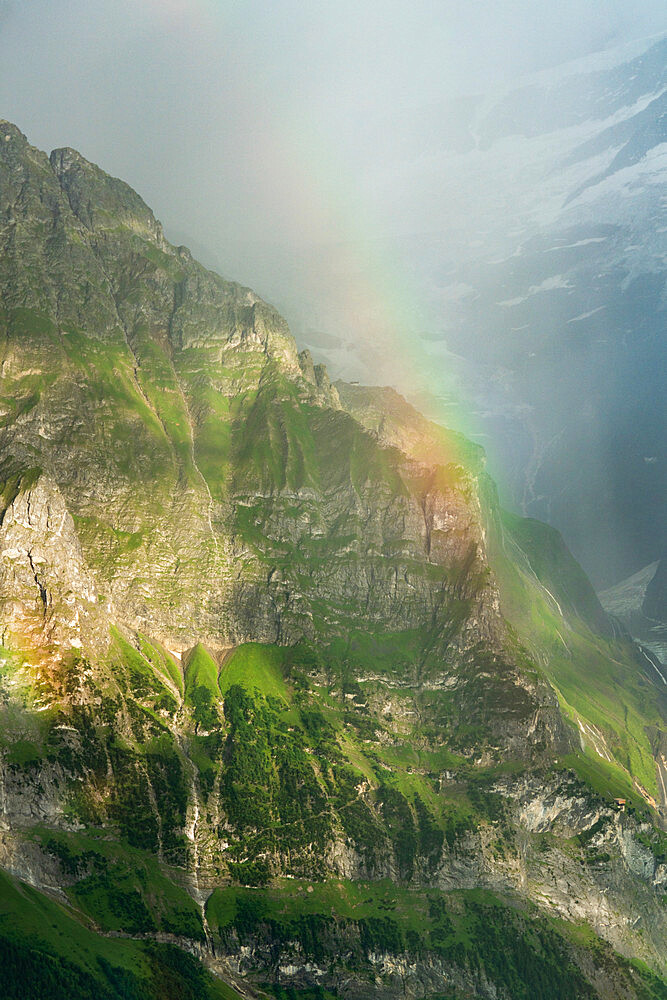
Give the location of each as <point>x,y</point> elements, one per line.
<point>392,176</point>
<point>273,123</point>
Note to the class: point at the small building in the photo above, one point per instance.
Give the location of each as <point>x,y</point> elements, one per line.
<point>621,804</point>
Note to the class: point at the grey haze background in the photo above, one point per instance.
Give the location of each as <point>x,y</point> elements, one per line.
<point>429,199</point>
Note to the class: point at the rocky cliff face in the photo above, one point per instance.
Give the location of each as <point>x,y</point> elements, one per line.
<point>259,630</point>
<point>48,595</point>
<point>219,491</point>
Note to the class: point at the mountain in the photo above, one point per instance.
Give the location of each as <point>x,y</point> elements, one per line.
<point>577,305</point>
<point>290,706</point>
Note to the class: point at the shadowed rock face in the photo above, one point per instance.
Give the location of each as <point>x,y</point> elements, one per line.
<point>257,626</point>
<point>655,598</point>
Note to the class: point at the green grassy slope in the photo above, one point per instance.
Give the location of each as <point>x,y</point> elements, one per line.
<point>48,951</point>
<point>524,954</point>
<point>602,685</point>
<point>292,751</point>
<point>256,666</point>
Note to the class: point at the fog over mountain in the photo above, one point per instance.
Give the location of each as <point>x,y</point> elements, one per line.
<point>466,205</point>
<point>300,694</point>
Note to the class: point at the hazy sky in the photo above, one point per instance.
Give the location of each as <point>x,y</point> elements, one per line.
<point>244,121</point>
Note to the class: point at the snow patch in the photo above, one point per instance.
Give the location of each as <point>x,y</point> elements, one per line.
<point>554,283</point>
<point>579,243</point>
<point>591,312</point>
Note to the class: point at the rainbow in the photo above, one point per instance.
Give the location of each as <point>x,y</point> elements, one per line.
<point>378,301</point>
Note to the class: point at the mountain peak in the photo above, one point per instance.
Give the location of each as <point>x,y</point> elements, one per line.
<point>101,201</point>
<point>15,149</point>
<point>10,131</point>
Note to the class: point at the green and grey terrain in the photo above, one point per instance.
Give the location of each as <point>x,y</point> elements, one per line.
<point>290,707</point>
<point>639,604</point>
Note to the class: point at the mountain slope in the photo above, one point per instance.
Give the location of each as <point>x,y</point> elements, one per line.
<point>263,631</point>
